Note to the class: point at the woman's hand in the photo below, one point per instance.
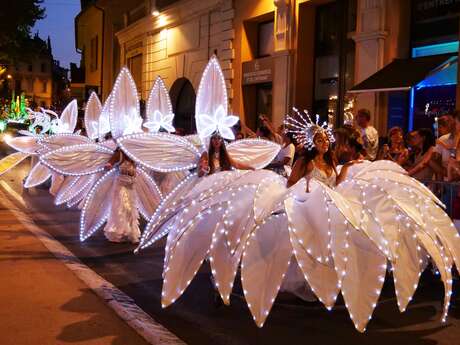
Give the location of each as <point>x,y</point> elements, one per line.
<point>108,166</point>
<point>353,162</point>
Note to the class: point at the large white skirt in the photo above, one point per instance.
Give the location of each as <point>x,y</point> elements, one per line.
<point>123,221</point>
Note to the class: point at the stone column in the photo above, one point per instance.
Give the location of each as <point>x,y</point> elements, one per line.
<point>282,60</point>
<point>370,54</point>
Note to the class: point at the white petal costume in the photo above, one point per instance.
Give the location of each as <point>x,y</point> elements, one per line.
<point>168,153</point>
<point>341,239</point>
<point>118,195</point>
<point>75,188</point>
<point>32,145</point>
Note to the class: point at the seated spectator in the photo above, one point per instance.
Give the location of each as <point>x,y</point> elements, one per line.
<point>421,145</point>
<point>265,131</point>
<point>453,165</point>
<point>369,134</point>
<point>446,123</point>
<point>348,145</point>
<point>268,131</point>
<point>285,157</point>
<point>395,150</point>
<point>445,146</point>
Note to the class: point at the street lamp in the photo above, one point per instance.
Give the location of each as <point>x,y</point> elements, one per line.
<point>9,76</point>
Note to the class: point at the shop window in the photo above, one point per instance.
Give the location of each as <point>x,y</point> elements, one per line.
<point>334,58</point>
<point>44,86</point>
<point>435,95</point>
<point>30,85</point>
<point>265,39</point>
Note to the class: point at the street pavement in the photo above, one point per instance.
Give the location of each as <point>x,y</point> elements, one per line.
<point>44,303</point>
<point>196,319</point>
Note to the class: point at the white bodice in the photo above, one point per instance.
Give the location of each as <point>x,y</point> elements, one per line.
<point>321,176</point>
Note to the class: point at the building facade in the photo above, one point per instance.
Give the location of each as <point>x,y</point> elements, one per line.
<point>34,77</point>
<point>275,54</point>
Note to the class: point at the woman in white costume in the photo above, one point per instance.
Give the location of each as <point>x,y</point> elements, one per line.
<point>217,159</point>
<point>342,234</point>
<point>315,162</point>
<point>123,221</point>
<point>169,153</point>
<point>122,189</point>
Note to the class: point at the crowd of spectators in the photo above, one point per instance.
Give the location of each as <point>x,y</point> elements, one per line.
<point>432,159</point>
<point>424,156</point>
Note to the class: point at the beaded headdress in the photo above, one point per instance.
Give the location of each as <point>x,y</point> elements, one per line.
<point>304,128</point>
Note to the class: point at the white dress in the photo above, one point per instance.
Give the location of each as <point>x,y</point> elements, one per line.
<point>294,281</point>
<point>123,221</point>
<point>342,238</point>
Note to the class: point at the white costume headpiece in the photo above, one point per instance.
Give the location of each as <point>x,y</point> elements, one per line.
<point>304,128</point>
<point>159,109</point>
<point>211,104</point>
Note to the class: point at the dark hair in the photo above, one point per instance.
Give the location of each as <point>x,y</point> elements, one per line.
<point>265,131</point>
<point>366,113</point>
<point>456,115</point>
<point>428,138</point>
<point>224,159</point>
<point>348,135</point>
<point>290,136</point>
<point>308,155</point>
<point>442,121</point>
<point>394,130</point>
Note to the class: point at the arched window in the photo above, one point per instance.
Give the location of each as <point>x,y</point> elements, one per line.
<point>183,101</point>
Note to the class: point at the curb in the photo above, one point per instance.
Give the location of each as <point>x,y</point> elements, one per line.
<point>123,305</point>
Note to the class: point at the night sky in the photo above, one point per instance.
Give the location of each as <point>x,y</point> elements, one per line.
<point>59,25</point>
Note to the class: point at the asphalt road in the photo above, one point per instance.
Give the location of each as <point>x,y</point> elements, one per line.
<point>197,320</point>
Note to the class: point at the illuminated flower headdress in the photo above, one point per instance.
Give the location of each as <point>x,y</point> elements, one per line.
<point>211,104</point>
<point>304,128</point>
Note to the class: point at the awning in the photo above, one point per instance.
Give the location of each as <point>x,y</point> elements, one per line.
<point>403,74</point>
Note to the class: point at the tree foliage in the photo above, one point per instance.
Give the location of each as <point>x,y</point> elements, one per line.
<point>16,19</point>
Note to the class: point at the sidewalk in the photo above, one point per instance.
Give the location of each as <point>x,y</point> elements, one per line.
<point>43,303</point>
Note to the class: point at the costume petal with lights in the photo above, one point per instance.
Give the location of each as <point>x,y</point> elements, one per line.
<point>32,145</point>
<point>168,153</point>
<point>122,191</point>
<point>74,188</point>
<point>341,239</point>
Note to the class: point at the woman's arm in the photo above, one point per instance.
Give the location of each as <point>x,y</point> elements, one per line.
<point>116,157</point>
<point>299,170</point>
<point>403,157</point>
<point>424,162</point>
<point>280,164</point>
<point>203,165</point>
<point>344,171</point>
<point>445,145</point>
<point>247,131</point>
<point>239,165</point>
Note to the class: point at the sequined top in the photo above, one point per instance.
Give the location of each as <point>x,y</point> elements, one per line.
<point>321,176</point>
